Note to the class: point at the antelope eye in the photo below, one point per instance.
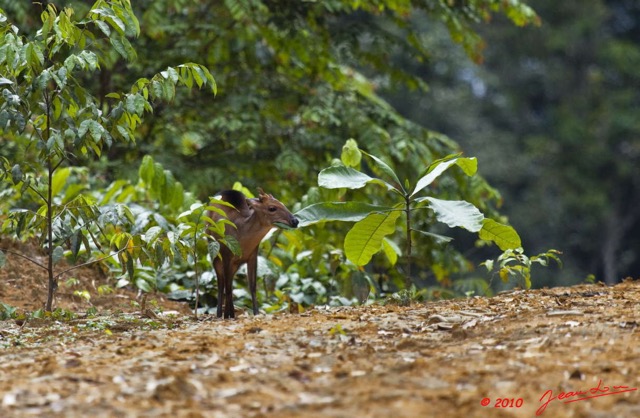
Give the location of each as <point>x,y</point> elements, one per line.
<point>272,208</point>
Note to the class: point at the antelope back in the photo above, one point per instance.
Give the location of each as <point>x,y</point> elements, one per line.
<point>237,214</point>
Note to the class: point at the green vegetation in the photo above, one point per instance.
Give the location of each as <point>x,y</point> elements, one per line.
<point>375,222</point>
<point>110,155</point>
<point>52,120</point>
<point>552,116</point>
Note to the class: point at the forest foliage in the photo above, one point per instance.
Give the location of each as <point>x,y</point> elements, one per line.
<point>106,158</point>
<point>552,116</point>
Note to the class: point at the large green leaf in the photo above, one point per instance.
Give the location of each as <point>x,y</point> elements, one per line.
<point>468,165</point>
<point>337,211</point>
<point>340,176</point>
<point>365,238</point>
<point>456,213</point>
<point>59,180</point>
<point>391,250</point>
<point>387,170</point>
<point>504,236</point>
<point>146,170</point>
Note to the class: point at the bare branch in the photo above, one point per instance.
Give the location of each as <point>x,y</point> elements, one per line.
<point>42,266</point>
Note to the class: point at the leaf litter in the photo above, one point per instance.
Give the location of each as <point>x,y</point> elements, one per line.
<point>426,360</point>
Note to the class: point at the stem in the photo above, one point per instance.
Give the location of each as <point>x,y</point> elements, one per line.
<point>195,260</point>
<point>407,209</point>
<point>49,202</point>
<point>49,226</point>
<point>276,235</point>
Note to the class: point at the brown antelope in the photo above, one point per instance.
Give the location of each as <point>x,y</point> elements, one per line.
<point>253,219</point>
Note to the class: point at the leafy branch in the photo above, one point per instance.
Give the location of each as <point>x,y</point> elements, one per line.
<point>373,223</point>
<point>515,264</point>
<point>42,96</point>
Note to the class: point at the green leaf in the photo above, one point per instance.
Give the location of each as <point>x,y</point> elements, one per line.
<point>103,27</point>
<point>34,55</point>
<point>84,127</point>
<point>433,172</point>
<point>232,243</point>
<point>488,265</point>
<point>146,171</point>
<point>391,250</point>
<point>440,239</point>
<point>186,77</point>
<point>91,59</point>
<point>141,283</point>
<point>365,238</point>
<point>337,211</point>
<point>130,267</point>
<point>340,176</point>
<point>505,237</point>
<point>386,169</point>
<point>351,155</point>
<point>158,179</point>
<point>16,174</point>
<point>59,180</point>
<point>58,254</point>
<point>156,89</point>
<point>468,165</point>
<point>60,78</point>
<point>527,278</point>
<point>214,249</point>
<point>110,17</point>
<point>4,119</point>
<point>57,108</point>
<point>168,90</point>
<point>201,75</point>
<point>197,77</point>
<point>456,213</point>
<point>178,196</point>
<point>76,243</point>
<point>134,103</point>
<point>3,259</point>
<point>168,188</point>
<point>171,74</point>
<point>152,234</point>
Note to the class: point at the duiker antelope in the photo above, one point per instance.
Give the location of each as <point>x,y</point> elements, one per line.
<point>253,219</point>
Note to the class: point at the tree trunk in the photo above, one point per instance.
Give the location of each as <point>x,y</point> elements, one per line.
<point>615,227</point>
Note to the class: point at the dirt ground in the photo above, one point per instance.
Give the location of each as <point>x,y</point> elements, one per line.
<point>561,352</point>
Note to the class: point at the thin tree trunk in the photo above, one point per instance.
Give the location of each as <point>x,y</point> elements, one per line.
<point>616,225</point>
<point>408,282</point>
<point>50,170</point>
<point>52,281</point>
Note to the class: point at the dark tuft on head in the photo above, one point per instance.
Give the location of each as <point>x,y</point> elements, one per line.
<point>236,198</point>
